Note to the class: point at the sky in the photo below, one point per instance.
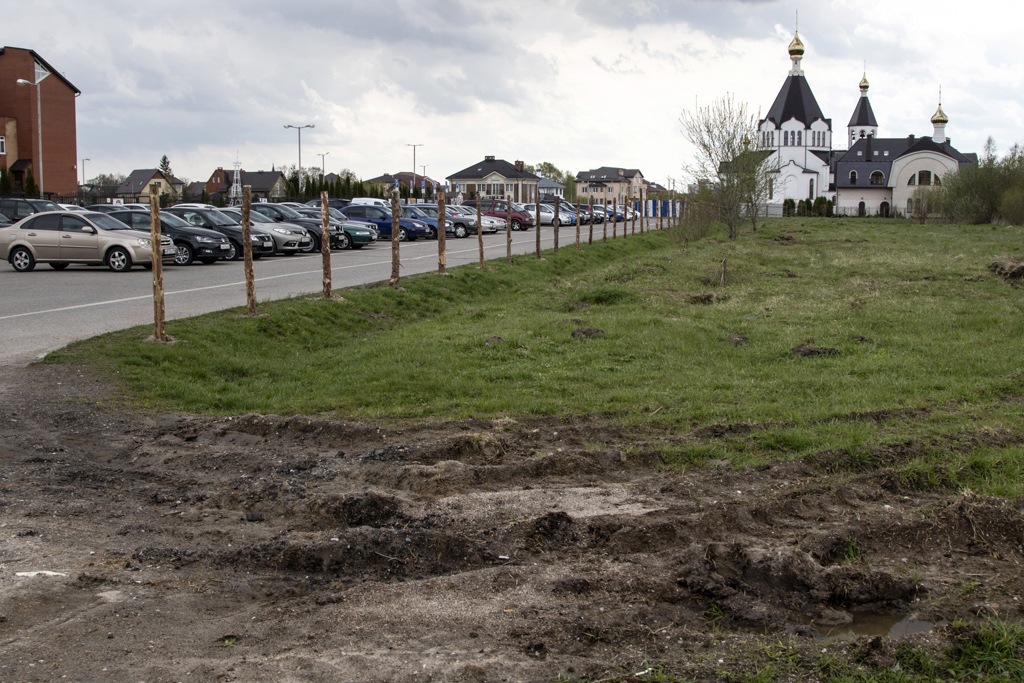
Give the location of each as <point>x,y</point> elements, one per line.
<point>578,83</point>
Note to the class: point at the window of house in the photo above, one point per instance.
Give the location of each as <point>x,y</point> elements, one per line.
<point>936,181</point>
<point>862,134</point>
<point>810,189</point>
<point>877,178</point>
<point>885,153</point>
<point>3,144</point>
<point>860,154</point>
<point>853,177</point>
<point>799,138</point>
<point>924,178</point>
<point>913,180</point>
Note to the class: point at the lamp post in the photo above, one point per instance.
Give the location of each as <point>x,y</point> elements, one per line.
<point>424,167</point>
<point>299,129</point>
<point>39,120</point>
<point>83,169</point>
<point>419,144</point>
<point>323,163</point>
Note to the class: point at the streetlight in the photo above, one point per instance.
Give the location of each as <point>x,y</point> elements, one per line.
<point>323,163</point>
<point>419,144</point>
<point>299,129</point>
<point>83,169</point>
<point>39,115</point>
<point>424,167</point>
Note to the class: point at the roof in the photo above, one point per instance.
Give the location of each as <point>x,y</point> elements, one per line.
<point>795,101</point>
<point>548,184</point>
<point>137,181</point>
<point>926,144</point>
<point>403,177</point>
<point>862,114</point>
<point>46,64</point>
<point>608,173</point>
<point>491,165</point>
<point>259,181</point>
<point>656,187</point>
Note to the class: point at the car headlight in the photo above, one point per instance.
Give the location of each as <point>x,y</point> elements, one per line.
<point>283,231</point>
<point>145,242</point>
<point>257,238</point>
<point>206,239</point>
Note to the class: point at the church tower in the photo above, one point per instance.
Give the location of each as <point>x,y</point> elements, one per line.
<point>863,123</point>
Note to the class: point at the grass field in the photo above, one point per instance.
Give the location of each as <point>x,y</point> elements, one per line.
<point>941,328</point>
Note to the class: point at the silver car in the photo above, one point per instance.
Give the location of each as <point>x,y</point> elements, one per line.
<point>288,238</point>
<point>61,238</point>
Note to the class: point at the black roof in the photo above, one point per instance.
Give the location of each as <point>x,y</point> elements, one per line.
<point>926,144</point>
<point>607,173</point>
<point>138,179</point>
<point>259,181</point>
<point>796,101</point>
<point>491,165</point>
<point>862,114</point>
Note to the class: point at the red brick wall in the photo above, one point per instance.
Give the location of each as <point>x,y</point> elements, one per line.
<point>60,147</point>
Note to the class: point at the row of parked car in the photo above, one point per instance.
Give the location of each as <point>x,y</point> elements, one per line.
<point>118,235</point>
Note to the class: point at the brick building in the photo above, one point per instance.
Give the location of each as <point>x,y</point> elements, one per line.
<point>19,129</point>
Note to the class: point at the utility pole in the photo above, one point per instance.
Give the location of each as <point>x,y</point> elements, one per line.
<point>414,146</point>
<point>299,129</point>
<point>424,167</point>
<point>323,163</point>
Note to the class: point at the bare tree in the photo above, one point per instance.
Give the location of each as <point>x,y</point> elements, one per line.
<point>729,155</point>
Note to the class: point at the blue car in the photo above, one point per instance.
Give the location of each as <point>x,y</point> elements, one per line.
<point>427,214</point>
<point>408,229</point>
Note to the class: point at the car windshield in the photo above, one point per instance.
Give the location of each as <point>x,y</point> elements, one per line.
<point>288,211</point>
<point>334,213</point>
<point>517,207</point>
<point>45,205</point>
<point>172,221</point>
<point>429,211</point>
<point>104,221</point>
<point>218,218</point>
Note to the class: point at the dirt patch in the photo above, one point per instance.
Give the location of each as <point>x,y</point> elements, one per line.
<point>735,339</point>
<point>1008,270</point>
<point>260,547</point>
<point>808,351</point>
<point>491,341</point>
<point>587,333</point>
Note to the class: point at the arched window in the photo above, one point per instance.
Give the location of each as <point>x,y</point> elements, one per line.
<point>853,177</point>
<point>877,178</point>
<point>912,180</point>
<point>862,135</point>
<point>924,178</point>
<point>785,141</point>
<point>936,180</point>
<point>799,138</point>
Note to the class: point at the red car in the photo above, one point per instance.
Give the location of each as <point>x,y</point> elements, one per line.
<point>498,208</point>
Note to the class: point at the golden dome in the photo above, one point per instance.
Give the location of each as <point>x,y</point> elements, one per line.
<point>864,83</point>
<point>940,117</point>
<point>796,48</point>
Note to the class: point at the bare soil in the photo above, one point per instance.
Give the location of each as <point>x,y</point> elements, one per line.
<point>262,548</point>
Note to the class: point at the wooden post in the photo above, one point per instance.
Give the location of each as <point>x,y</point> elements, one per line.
<point>325,243</point>
<point>643,211</point>
<point>479,232</point>
<point>577,227</point>
<point>536,225</point>
<point>442,218</point>
<point>615,217</point>
<point>590,201</point>
<point>158,263</point>
<point>508,227</point>
<point>632,204</point>
<point>554,223</point>
<point>604,221</point>
<point>396,211</point>
<point>250,278</point>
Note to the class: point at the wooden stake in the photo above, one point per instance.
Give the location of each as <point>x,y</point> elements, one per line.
<point>722,283</point>
<point>555,222</point>
<point>396,211</point>
<point>250,278</point>
<point>631,205</point>
<point>577,227</point>
<point>536,225</point>
<point>442,218</point>
<point>325,243</point>
<point>479,232</point>
<point>615,218</point>
<point>158,263</point>
<point>604,221</point>
<point>508,227</point>
<point>590,200</point>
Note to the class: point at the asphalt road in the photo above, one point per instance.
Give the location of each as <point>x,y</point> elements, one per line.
<point>47,309</point>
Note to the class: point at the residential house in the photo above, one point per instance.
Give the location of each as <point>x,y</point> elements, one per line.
<point>609,183</point>
<point>549,189</point>
<point>135,188</point>
<point>264,184</point>
<point>496,178</point>
<point>57,171</point>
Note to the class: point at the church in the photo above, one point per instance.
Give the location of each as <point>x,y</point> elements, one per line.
<point>873,177</point>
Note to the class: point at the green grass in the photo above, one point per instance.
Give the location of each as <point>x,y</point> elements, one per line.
<point>421,353</point>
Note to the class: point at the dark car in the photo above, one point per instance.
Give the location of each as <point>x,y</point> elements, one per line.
<point>106,208</point>
<point>262,242</point>
<point>289,238</point>
<point>333,202</point>
<point>427,214</point>
<point>286,214</point>
<point>499,208</point>
<point>16,209</point>
<point>354,234</point>
<point>408,229</point>
<point>191,243</point>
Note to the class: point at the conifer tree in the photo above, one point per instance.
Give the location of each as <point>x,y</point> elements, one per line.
<point>31,189</point>
<point>6,186</point>
<point>165,166</point>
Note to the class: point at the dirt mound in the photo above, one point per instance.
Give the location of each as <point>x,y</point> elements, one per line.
<point>586,333</point>
<point>1008,270</point>
<point>735,339</point>
<point>808,351</point>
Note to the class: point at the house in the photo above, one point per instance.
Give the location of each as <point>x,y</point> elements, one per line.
<point>406,179</point>
<point>550,189</point>
<point>496,178</point>
<point>56,172</point>
<point>135,188</point>
<point>264,184</point>
<point>609,183</point>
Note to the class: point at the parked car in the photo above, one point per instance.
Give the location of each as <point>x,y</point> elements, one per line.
<point>105,208</point>
<point>333,202</point>
<point>16,209</point>
<point>370,201</point>
<point>61,238</point>
<point>286,214</point>
<point>380,216</point>
<point>72,207</point>
<point>547,213</point>
<point>354,234</point>
<point>288,238</point>
<point>212,219</point>
<point>190,243</point>
<point>499,208</point>
<point>490,224</point>
<point>420,212</point>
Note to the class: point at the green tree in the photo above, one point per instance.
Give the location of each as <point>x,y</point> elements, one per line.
<point>6,186</point>
<point>31,189</point>
<point>204,197</point>
<point>165,166</point>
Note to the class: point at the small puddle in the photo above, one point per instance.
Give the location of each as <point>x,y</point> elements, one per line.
<point>893,626</point>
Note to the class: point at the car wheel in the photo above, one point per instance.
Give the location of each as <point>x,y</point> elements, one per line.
<point>344,241</point>
<point>22,260</point>
<point>58,266</point>
<point>516,225</point>
<point>460,231</point>
<point>431,234</point>
<point>314,245</point>
<point>403,236</point>
<point>119,260</point>
<point>232,253</point>
<point>184,255</point>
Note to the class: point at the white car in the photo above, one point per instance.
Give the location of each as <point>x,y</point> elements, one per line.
<point>547,213</point>
<point>72,207</point>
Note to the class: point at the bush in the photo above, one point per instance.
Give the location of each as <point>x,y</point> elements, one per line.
<point>829,209</point>
<point>788,207</point>
<point>818,208</point>
<point>6,186</point>
<point>31,188</point>
<point>1011,207</point>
